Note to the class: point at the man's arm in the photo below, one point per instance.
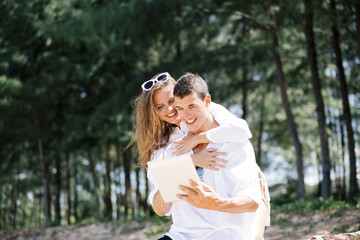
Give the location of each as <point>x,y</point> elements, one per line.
<point>203,196</point>
<point>155,198</point>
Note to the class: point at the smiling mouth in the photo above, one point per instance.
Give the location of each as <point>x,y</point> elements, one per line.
<point>191,121</point>
<point>171,115</point>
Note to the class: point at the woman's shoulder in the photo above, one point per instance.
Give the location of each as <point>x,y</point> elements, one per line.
<point>176,134</point>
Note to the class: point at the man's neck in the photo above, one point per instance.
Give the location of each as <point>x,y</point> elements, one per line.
<point>208,124</point>
<point>211,123</point>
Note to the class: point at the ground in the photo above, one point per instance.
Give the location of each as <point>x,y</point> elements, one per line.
<point>300,225</point>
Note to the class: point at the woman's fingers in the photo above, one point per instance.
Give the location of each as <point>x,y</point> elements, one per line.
<point>210,167</point>
<point>180,149</point>
<point>215,164</point>
<point>178,141</point>
<point>219,160</point>
<point>210,149</point>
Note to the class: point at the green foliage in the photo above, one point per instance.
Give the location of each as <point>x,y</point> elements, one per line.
<point>341,229</point>
<point>162,225</point>
<point>315,204</point>
<point>287,193</point>
<point>282,222</point>
<point>70,70</point>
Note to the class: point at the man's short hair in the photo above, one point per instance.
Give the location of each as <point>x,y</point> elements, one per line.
<point>190,83</point>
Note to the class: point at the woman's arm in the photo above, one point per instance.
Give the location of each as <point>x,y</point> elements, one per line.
<point>230,129</point>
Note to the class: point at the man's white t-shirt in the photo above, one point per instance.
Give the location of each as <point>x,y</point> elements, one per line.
<point>239,177</point>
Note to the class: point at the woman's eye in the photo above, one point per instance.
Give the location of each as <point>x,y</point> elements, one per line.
<point>171,101</point>
<point>159,108</point>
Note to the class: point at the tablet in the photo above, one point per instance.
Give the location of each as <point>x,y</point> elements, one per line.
<point>169,173</point>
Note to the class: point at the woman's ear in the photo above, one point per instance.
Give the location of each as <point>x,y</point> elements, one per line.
<point>207,100</point>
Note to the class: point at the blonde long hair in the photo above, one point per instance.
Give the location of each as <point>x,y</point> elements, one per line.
<point>150,131</point>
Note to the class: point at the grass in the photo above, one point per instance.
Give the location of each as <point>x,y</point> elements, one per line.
<point>158,228</point>
<point>314,204</point>
<point>306,217</point>
<point>341,229</point>
<point>159,224</point>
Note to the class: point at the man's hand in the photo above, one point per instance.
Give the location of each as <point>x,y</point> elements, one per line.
<point>200,196</point>
<point>203,196</point>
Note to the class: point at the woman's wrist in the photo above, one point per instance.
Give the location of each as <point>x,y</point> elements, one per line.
<point>201,138</point>
<point>194,159</point>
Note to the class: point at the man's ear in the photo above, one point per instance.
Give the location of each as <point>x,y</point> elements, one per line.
<point>207,100</point>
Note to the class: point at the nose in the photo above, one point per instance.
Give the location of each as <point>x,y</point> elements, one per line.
<point>170,108</point>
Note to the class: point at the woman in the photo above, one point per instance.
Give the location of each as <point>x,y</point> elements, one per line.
<point>158,124</point>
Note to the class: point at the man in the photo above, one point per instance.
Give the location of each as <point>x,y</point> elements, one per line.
<point>224,205</point>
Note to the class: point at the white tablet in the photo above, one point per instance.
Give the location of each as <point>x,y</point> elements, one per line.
<point>169,173</point>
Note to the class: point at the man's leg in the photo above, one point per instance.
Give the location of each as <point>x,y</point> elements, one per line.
<point>165,238</point>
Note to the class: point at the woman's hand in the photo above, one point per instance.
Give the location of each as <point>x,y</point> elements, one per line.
<point>188,142</point>
<point>207,158</point>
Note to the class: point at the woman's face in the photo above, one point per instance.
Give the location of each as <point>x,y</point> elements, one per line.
<point>163,102</point>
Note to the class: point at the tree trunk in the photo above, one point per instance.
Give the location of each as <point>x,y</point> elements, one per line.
<point>289,115</point>
<point>68,189</point>
<point>118,204</point>
<point>316,85</point>
<point>149,211</point>
<point>58,189</point>
<point>14,202</point>
<point>244,92</point>
<point>24,217</point>
<point>261,129</point>
<point>138,201</point>
<point>107,180</point>
<point>117,179</point>
<point>178,42</point>
<point>92,164</point>
<point>245,72</point>
<point>127,170</point>
<point>356,4</point>
<point>76,196</point>
<point>32,215</point>
<point>342,139</point>
<point>45,181</point>
<point>343,158</point>
<point>1,209</point>
<point>5,214</point>
<point>346,107</point>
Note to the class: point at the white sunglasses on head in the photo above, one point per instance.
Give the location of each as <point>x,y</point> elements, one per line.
<point>148,85</point>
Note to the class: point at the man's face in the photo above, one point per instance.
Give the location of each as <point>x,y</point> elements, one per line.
<point>193,111</point>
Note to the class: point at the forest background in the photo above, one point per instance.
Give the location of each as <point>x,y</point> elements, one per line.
<point>70,71</point>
